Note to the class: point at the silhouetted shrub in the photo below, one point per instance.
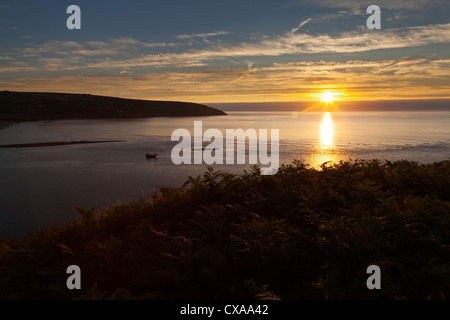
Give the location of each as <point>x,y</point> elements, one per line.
<point>301,234</point>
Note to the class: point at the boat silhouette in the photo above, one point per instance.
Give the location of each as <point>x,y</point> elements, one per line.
<point>151,155</point>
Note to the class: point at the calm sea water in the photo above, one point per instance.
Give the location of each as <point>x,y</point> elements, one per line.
<point>40,186</point>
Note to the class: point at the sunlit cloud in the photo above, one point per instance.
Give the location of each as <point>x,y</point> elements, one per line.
<point>287,66</point>
<point>351,42</point>
<point>287,44</point>
<point>400,78</point>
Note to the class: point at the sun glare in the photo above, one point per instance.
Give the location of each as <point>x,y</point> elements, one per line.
<point>328,96</point>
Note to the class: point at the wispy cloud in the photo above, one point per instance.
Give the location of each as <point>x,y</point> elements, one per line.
<point>112,47</point>
<point>202,35</point>
<point>300,25</point>
<point>290,43</point>
<point>217,71</point>
<point>356,41</point>
<point>109,54</point>
<point>420,77</point>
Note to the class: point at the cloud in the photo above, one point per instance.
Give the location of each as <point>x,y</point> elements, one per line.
<point>125,43</point>
<point>418,77</point>
<point>111,47</point>
<point>110,54</point>
<point>68,48</point>
<point>202,35</point>
<point>300,25</point>
<point>289,44</point>
<point>361,41</point>
<point>129,67</point>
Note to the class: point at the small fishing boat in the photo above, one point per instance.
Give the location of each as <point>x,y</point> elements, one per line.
<point>151,155</point>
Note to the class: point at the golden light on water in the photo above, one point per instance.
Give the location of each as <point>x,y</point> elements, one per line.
<point>326,151</point>
<point>326,131</point>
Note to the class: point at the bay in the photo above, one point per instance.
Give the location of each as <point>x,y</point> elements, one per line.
<point>41,186</point>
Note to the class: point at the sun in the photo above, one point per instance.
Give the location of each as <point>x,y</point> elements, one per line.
<point>328,96</point>
<point>327,99</point>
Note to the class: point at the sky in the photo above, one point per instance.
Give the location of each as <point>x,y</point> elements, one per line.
<point>228,51</point>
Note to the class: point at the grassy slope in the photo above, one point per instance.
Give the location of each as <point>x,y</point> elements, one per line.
<point>301,234</point>
<point>27,106</point>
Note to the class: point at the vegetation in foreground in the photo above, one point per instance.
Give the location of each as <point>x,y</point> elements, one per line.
<point>301,234</point>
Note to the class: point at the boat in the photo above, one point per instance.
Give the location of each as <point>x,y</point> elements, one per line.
<point>151,155</point>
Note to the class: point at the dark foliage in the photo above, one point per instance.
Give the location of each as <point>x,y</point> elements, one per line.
<point>301,234</point>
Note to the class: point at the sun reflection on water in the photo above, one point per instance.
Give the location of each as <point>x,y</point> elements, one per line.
<point>326,151</point>
<point>326,131</point>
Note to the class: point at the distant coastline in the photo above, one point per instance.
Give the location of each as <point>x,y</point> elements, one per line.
<point>36,106</point>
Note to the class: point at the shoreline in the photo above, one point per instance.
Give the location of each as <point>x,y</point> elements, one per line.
<point>52,144</point>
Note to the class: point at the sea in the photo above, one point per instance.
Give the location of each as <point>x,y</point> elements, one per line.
<point>41,186</point>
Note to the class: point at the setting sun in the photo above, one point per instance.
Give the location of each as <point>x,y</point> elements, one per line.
<point>328,96</point>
